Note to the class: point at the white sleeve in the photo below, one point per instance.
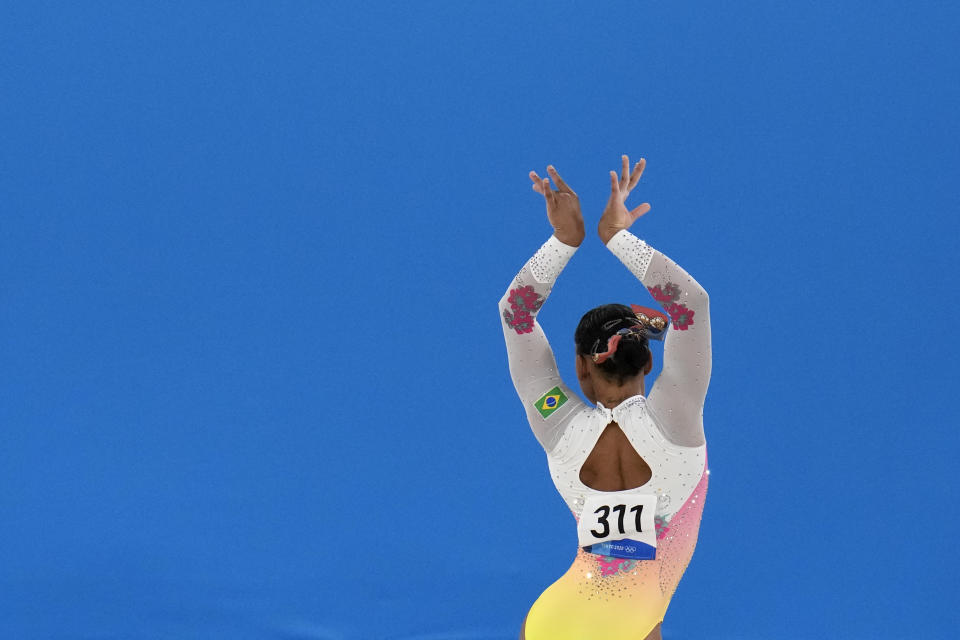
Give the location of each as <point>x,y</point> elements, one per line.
<point>679,392</point>
<point>549,403</point>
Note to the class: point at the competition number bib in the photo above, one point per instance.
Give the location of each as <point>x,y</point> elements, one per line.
<point>621,526</point>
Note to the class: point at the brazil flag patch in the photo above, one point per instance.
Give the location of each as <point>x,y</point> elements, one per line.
<point>550,402</point>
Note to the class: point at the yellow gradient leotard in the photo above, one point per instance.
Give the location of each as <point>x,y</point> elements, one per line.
<point>604,597</point>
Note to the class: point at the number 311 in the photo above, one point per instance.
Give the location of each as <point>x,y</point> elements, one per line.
<point>621,509</point>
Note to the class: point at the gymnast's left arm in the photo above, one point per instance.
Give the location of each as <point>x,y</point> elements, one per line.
<point>679,392</point>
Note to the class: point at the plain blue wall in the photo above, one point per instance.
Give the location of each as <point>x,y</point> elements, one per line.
<point>252,380</point>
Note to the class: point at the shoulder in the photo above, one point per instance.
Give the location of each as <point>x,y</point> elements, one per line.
<point>686,434</point>
<point>578,426</point>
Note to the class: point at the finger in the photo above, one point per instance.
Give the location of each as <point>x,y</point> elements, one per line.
<point>614,185</point>
<point>563,186</point>
<point>637,172</point>
<point>626,170</point>
<point>639,211</point>
<point>547,191</point>
<point>536,182</point>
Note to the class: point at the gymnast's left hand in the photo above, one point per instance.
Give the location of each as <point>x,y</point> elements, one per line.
<point>563,207</point>
<point>616,216</point>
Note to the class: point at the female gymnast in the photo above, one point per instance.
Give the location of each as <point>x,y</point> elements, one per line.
<point>632,469</point>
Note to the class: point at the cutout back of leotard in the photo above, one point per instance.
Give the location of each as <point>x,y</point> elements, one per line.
<point>614,464</point>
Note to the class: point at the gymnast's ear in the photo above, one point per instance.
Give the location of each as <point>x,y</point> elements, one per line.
<point>583,370</point>
<point>649,367</point>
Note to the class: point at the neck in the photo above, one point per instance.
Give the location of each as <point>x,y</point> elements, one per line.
<point>611,395</point>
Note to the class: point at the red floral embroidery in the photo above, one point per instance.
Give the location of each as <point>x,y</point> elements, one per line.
<point>671,290</point>
<point>668,293</point>
<point>660,523</point>
<point>525,298</point>
<point>610,566</point>
<point>681,316</point>
<point>521,321</point>
<point>658,294</point>
<point>524,301</point>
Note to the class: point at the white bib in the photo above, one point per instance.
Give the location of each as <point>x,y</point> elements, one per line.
<point>621,516</point>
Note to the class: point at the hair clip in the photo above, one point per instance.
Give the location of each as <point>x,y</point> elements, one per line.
<point>655,322</point>
<point>612,343</point>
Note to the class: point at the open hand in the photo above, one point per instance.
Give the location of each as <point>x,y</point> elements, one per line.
<point>616,216</point>
<point>563,207</point>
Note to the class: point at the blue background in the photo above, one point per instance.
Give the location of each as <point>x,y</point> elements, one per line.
<point>253,379</point>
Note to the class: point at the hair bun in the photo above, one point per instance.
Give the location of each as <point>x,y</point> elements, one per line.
<point>615,338</point>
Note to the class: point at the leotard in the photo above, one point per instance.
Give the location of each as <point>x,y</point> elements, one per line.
<point>601,596</point>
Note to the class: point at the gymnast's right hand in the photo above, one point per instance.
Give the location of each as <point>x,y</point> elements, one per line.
<point>563,207</point>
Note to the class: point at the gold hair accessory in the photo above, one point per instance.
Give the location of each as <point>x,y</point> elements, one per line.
<point>654,321</point>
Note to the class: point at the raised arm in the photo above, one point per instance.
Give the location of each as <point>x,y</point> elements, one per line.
<point>548,402</point>
<point>679,392</point>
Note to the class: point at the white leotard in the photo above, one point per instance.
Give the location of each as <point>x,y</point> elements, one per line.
<point>666,429</point>
<point>603,596</point>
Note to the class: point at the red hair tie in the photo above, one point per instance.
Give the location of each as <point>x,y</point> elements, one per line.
<point>612,344</point>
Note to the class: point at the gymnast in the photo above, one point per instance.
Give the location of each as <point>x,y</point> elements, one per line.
<point>633,468</point>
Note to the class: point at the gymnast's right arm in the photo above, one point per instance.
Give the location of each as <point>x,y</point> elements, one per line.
<point>548,402</point>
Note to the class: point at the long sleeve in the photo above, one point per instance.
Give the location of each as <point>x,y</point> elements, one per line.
<point>548,402</point>
<point>679,392</point>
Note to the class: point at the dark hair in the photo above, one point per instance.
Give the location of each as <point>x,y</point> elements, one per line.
<point>595,328</point>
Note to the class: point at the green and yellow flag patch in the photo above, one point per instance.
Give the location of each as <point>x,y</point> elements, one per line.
<point>550,402</point>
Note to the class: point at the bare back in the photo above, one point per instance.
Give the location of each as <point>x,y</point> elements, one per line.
<point>614,465</point>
